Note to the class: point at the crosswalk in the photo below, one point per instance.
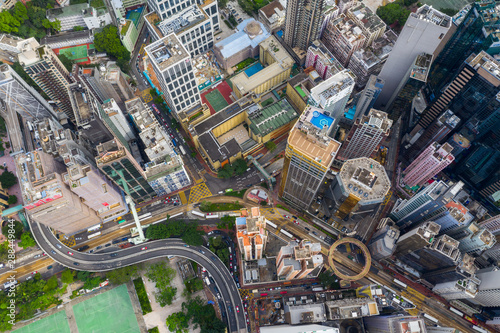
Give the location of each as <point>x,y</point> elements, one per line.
<point>199,192</point>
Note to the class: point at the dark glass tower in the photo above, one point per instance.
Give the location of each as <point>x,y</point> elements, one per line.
<point>477,31</point>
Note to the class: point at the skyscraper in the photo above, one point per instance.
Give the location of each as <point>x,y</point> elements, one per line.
<point>489,290</point>
<point>302,22</point>
<point>322,60</point>
<point>477,31</point>
<point>458,289</point>
<point>492,224</point>
<point>417,238</point>
<point>359,187</point>
<point>394,324</point>
<point>49,73</point>
<point>428,164</point>
<point>422,33</point>
<point>366,135</point>
<point>309,154</point>
<point>383,242</point>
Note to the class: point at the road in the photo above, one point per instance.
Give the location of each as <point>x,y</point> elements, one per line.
<point>100,262</point>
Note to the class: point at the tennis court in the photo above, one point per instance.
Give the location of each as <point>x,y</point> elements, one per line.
<point>216,100</point>
<point>56,323</point>
<point>109,312</point>
<point>134,15</point>
<point>75,52</point>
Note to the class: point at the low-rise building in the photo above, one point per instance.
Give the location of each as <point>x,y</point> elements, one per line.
<point>68,38</point>
<point>305,314</point>
<point>299,261</point>
<point>82,15</point>
<point>241,45</point>
<point>251,234</point>
<point>322,60</point>
<point>277,65</point>
<point>352,308</point>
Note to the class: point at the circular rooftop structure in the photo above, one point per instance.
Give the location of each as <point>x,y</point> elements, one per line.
<point>253,29</point>
<point>335,256</point>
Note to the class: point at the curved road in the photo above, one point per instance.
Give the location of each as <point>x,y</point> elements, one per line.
<point>99,262</point>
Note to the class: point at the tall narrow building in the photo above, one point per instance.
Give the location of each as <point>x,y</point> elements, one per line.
<point>302,22</point>
<point>428,164</point>
<point>49,73</point>
<point>309,154</point>
<point>366,135</point>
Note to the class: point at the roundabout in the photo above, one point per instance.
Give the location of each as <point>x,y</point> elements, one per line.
<point>335,256</point>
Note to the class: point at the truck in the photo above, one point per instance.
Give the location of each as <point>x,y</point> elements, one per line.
<point>182,150</point>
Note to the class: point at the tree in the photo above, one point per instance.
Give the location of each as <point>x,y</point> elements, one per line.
<point>166,296</point>
<point>78,28</point>
<point>193,237</point>
<point>161,273</point>
<point>226,172</point>
<point>27,240</point>
<point>448,11</point>
<point>270,145</point>
<point>18,229</point>
<point>83,275</point>
<point>328,280</point>
<point>108,41</point>
<point>202,315</point>
<point>227,222</point>
<point>8,23</point>
<point>222,3</point>
<point>4,252</point>
<point>20,12</point>
<point>157,231</point>
<point>122,275</point>
<point>12,199</point>
<point>7,178</point>
<point>92,282</point>
<point>178,322</point>
<point>393,12</point>
<point>52,284</point>
<point>240,166</point>
<point>67,276</point>
<point>66,62</point>
<point>263,203</point>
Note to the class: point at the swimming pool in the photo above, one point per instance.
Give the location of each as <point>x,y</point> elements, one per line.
<point>254,69</point>
<point>319,120</point>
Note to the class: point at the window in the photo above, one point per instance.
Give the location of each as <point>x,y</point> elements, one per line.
<point>170,86</point>
<point>162,8</point>
<point>176,84</point>
<point>181,81</point>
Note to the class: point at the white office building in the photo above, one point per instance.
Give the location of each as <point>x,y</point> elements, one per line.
<point>489,290</point>
<point>422,33</point>
<point>173,68</point>
<point>464,288</point>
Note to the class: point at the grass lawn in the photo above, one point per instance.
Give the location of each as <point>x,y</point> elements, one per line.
<point>245,63</point>
<point>238,194</point>
<point>219,207</point>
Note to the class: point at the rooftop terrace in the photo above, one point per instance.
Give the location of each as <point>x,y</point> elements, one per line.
<point>421,66</point>
<point>365,178</point>
<point>166,51</point>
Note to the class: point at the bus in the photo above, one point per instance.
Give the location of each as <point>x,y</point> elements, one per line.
<point>145,216</point>
<point>470,320</point>
<point>272,224</point>
<point>431,318</point>
<point>283,292</point>
<point>194,212</point>
<point>318,289</point>
<point>287,282</point>
<point>400,283</point>
<point>286,233</point>
<point>94,228</point>
<point>175,215</point>
<point>479,329</point>
<point>452,309</point>
<point>173,141</point>
<point>212,216</point>
<point>182,150</point>
<point>94,235</point>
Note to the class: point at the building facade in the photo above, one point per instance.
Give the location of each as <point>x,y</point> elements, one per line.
<point>302,22</point>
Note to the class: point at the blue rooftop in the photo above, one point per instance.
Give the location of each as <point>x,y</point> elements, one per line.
<point>350,113</point>
<point>240,40</point>
<point>320,120</point>
<point>241,220</point>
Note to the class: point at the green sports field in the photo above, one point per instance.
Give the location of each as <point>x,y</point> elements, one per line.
<point>216,100</point>
<point>110,312</point>
<point>55,323</point>
<point>76,52</point>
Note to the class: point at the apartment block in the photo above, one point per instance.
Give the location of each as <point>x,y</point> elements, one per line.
<point>453,216</point>
<point>359,188</point>
<point>308,157</point>
<point>273,15</point>
<point>366,135</point>
<point>298,261</point>
<point>428,164</point>
<point>369,61</point>
<point>15,45</point>
<point>47,198</point>
<point>173,68</point>
<point>488,294</point>
<point>383,242</point>
<point>465,269</point>
<point>48,72</point>
<point>165,171</point>
<point>478,240</point>
<point>120,7</point>
<point>417,239</point>
<point>114,119</point>
<point>251,234</point>
<point>370,24</point>
<point>342,37</point>
<point>492,224</point>
<point>302,22</point>
<point>322,60</point>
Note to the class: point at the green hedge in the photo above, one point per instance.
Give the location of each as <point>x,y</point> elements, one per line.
<point>142,295</point>
<point>154,330</point>
<point>219,207</point>
<point>238,194</point>
<point>282,207</point>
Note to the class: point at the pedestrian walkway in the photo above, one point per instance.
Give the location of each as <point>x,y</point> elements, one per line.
<point>146,96</point>
<point>69,241</point>
<point>199,192</point>
<point>182,196</point>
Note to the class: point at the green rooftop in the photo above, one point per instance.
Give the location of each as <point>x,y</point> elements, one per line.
<point>301,92</point>
<point>125,28</point>
<point>272,117</point>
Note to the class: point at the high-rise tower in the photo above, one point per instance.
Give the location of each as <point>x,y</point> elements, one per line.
<point>302,22</point>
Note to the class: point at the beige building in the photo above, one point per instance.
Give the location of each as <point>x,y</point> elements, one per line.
<point>298,261</point>
<point>352,308</point>
<point>48,199</point>
<point>370,24</point>
<point>273,15</point>
<point>277,68</point>
<point>251,234</point>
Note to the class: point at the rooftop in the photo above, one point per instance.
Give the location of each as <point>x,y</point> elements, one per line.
<point>66,36</point>
<point>71,10</point>
<point>421,66</point>
<point>242,39</point>
<point>282,62</point>
<point>427,13</point>
<point>369,20</point>
<point>333,86</point>
<point>319,50</point>
<point>307,313</point>
<point>182,20</point>
<point>365,178</point>
<point>166,52</point>
<point>348,29</point>
<point>377,119</point>
<point>266,120</point>
<point>311,141</point>
<point>352,308</point>
<point>486,66</point>
<point>273,8</point>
